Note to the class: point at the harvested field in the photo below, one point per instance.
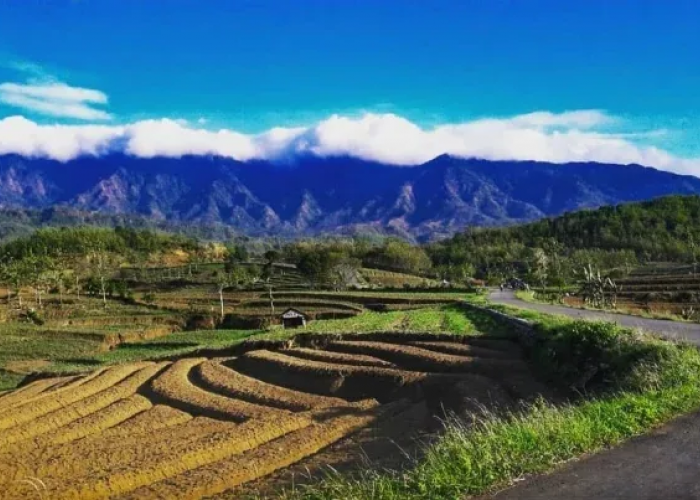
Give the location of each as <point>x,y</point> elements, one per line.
<point>337,357</point>
<point>202,427</point>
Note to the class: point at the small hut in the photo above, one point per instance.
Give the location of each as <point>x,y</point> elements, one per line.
<point>291,318</point>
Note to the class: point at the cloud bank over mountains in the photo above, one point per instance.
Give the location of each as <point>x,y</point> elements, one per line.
<point>584,135</point>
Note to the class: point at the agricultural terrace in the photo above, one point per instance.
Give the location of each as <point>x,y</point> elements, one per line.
<point>74,299</point>
<point>82,334</point>
<point>240,413</point>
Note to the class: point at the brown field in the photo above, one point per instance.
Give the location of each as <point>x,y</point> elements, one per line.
<point>248,422</point>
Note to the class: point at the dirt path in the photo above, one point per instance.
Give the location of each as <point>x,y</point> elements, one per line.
<point>660,465</point>
<point>670,329</point>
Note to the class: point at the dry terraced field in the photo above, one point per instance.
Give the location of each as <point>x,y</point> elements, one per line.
<point>198,427</point>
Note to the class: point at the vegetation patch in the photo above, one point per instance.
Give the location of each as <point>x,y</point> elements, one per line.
<point>637,384</point>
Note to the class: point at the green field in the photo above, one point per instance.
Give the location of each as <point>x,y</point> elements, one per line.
<point>81,334</point>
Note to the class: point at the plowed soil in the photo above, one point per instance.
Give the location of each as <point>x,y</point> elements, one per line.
<point>254,421</point>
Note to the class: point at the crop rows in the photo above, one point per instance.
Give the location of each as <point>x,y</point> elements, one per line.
<point>337,357</point>
<point>78,409</point>
<point>23,394</point>
<point>62,398</point>
<point>198,427</point>
<point>236,385</point>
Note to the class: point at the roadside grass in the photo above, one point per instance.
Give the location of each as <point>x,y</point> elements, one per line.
<point>494,452</point>
<point>518,312</point>
<point>621,384</point>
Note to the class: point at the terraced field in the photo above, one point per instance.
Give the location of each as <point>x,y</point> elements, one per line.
<point>198,427</point>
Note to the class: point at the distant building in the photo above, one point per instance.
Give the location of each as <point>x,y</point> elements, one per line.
<point>291,318</point>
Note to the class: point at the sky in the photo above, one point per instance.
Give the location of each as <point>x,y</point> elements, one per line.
<point>399,81</point>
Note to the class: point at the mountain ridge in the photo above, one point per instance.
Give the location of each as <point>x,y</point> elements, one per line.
<point>315,195</point>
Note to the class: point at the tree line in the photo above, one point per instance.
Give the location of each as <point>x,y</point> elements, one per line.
<point>614,238</point>
<point>548,252</point>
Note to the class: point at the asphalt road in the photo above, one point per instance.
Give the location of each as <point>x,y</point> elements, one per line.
<point>664,464</point>
<point>670,329</point>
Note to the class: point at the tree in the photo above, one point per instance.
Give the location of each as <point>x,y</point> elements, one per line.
<point>222,282</point>
<point>400,255</point>
<point>539,266</point>
<point>693,251</point>
<point>13,273</point>
<point>58,278</point>
<point>239,276</point>
<point>37,272</point>
<point>314,266</point>
<point>102,265</point>
<point>238,253</point>
<point>596,290</point>
<point>344,273</point>
<point>271,257</point>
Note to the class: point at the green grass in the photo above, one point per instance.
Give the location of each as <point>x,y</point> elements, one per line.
<point>518,312</point>
<point>449,319</point>
<point>9,380</point>
<point>80,348</point>
<point>640,382</point>
<point>174,344</point>
<point>25,344</point>
<point>471,460</point>
<point>366,322</point>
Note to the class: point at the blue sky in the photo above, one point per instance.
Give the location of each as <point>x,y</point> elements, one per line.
<point>249,65</point>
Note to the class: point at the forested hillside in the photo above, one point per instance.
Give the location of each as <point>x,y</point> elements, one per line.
<point>16,223</point>
<point>665,229</point>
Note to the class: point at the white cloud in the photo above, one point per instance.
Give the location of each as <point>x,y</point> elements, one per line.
<point>543,136</point>
<point>583,119</point>
<point>55,99</point>
<point>61,142</point>
<point>166,137</point>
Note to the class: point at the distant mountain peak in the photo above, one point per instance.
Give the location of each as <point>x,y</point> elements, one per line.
<point>313,194</point>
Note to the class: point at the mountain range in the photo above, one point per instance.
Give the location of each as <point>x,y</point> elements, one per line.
<point>313,195</point>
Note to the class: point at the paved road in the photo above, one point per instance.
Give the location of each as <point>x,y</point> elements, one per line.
<point>664,464</point>
<point>671,329</point>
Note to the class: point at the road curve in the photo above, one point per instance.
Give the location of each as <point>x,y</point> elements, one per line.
<point>675,330</point>
<point>664,464</point>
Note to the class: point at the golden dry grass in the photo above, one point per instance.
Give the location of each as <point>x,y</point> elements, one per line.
<point>236,385</point>
<point>197,427</point>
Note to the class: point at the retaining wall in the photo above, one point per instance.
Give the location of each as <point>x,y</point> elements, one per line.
<point>523,329</point>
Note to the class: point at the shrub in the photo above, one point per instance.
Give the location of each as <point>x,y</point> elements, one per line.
<point>603,357</point>
<point>32,316</point>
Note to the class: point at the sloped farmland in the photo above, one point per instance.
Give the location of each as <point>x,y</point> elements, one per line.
<point>199,427</point>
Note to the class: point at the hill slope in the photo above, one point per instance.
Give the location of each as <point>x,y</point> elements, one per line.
<point>317,195</point>
<point>664,229</point>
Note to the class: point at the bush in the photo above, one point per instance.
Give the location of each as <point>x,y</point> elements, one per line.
<point>32,316</point>
<point>201,322</point>
<point>602,357</point>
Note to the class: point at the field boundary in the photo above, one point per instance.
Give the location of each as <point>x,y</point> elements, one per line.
<point>524,329</point>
